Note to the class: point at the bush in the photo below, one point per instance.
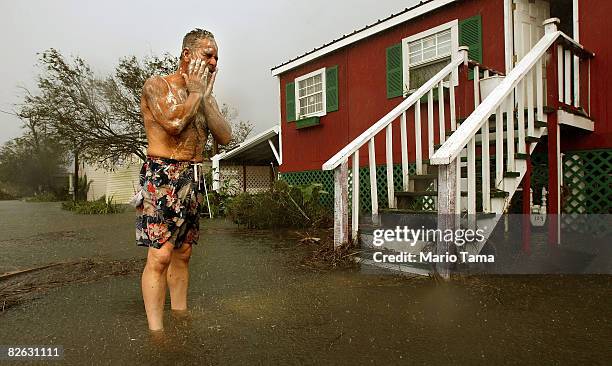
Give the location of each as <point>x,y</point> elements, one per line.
<point>4,196</point>
<point>83,185</point>
<point>284,206</point>
<point>43,197</point>
<point>98,207</point>
<point>218,199</point>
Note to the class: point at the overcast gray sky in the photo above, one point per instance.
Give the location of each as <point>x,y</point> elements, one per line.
<point>253,36</point>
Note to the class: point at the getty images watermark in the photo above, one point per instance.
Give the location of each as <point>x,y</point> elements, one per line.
<point>405,239</point>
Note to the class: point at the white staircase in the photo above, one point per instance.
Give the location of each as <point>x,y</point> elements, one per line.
<point>500,133</point>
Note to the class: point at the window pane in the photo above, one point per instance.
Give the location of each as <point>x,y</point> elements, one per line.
<point>415,46</point>
<point>415,58</point>
<point>444,36</point>
<point>429,53</point>
<point>429,42</point>
<point>444,49</point>
<point>317,78</point>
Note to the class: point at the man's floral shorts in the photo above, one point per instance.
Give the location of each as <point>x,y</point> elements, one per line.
<point>169,211</point>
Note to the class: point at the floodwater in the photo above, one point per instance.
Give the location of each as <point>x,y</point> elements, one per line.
<point>252,302</point>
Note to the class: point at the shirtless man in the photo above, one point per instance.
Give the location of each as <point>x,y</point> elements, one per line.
<point>178,111</point>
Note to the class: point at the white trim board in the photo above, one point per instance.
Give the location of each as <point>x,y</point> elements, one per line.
<point>324,91</point>
<point>261,137</point>
<point>508,35</point>
<point>420,10</point>
<point>570,119</point>
<point>453,26</point>
<point>280,120</point>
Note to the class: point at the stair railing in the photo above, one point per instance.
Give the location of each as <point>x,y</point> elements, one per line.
<point>524,89</point>
<point>339,162</point>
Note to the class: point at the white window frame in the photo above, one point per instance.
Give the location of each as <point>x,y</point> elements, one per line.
<point>453,26</point>
<point>323,88</point>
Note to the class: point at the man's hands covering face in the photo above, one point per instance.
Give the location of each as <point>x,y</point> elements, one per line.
<point>199,79</point>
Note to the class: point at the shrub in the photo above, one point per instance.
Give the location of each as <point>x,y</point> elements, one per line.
<point>218,199</point>
<point>43,197</point>
<point>283,206</point>
<point>98,207</point>
<point>83,185</point>
<point>4,196</point>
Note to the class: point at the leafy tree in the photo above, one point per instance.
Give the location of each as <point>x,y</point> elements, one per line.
<point>32,163</point>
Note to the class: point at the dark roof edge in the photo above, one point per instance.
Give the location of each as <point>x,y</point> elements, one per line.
<point>421,3</point>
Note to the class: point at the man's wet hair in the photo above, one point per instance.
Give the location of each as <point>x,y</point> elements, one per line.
<point>189,41</point>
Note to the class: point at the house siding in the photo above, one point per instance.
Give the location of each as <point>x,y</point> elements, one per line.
<point>362,87</point>
<point>119,184</point>
<point>595,30</point>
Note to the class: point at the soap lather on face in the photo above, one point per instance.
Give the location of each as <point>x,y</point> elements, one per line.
<point>206,50</point>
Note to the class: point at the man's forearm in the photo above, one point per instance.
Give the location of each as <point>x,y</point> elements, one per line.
<point>217,123</point>
<point>184,113</point>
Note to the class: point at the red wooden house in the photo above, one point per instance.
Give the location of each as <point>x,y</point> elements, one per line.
<point>402,116</point>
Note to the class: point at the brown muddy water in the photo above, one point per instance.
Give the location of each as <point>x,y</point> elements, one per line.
<point>252,302</point>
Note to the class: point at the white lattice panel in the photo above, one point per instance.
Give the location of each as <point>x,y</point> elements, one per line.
<point>257,178</point>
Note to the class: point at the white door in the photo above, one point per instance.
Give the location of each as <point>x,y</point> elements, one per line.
<point>529,16</point>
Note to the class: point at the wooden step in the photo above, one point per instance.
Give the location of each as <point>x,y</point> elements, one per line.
<point>494,194</point>
<point>528,139</point>
<point>416,194</point>
<point>424,177</point>
<point>406,211</point>
<point>520,156</point>
<point>512,174</point>
<point>517,156</point>
<point>492,127</point>
<point>547,110</point>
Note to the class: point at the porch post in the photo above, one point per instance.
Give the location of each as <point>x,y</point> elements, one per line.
<point>554,150</point>
<point>447,202</point>
<point>341,226</point>
<point>526,222</point>
<point>244,178</point>
<point>215,173</point>
<point>554,189</point>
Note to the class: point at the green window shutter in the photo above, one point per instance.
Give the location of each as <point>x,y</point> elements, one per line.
<point>290,101</point>
<point>331,97</point>
<point>394,71</point>
<point>470,34</point>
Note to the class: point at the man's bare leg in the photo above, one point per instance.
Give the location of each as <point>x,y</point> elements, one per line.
<point>178,277</point>
<point>154,284</point>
